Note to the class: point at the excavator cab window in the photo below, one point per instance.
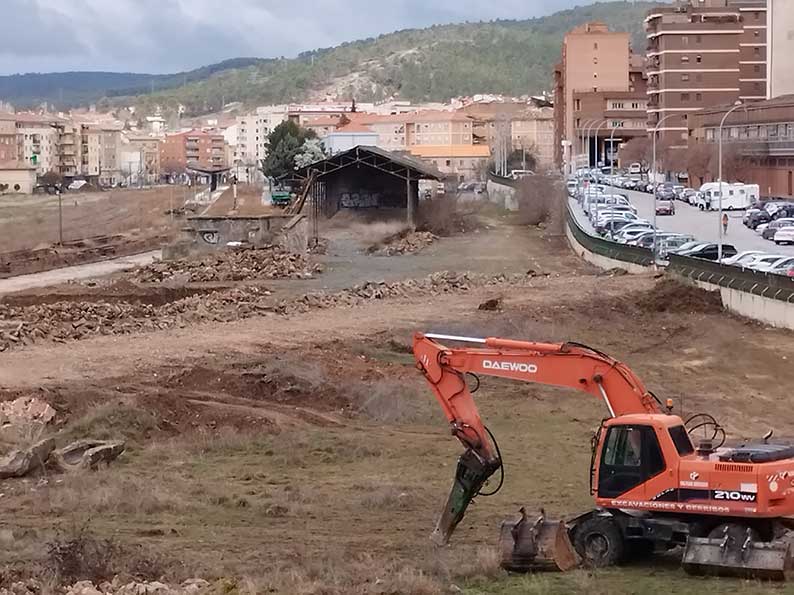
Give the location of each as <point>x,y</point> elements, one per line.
<point>631,456</point>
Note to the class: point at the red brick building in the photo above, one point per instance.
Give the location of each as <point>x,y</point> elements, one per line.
<point>192,148</point>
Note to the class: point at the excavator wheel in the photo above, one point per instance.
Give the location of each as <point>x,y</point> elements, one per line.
<point>599,541</point>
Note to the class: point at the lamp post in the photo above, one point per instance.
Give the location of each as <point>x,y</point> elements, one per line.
<point>580,135</point>
<point>601,124</point>
<point>612,168</point>
<point>719,177</point>
<point>655,134</point>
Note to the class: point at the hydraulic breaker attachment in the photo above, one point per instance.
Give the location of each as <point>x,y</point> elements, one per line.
<point>471,474</point>
<point>528,545</point>
<point>735,553</point>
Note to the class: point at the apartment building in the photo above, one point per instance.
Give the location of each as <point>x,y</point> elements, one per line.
<point>38,140</point>
<point>149,149</point>
<point>9,145</point>
<point>253,130</point>
<point>594,60</point>
<point>780,40</point>
<point>764,134</point>
<point>703,53</point>
<point>192,148</point>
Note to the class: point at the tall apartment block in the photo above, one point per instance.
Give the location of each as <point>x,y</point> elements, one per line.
<point>599,89</point>
<point>703,53</point>
<point>780,36</point>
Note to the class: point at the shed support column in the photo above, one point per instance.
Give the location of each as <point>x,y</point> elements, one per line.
<point>411,204</point>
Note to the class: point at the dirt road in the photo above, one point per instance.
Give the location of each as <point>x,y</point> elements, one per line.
<point>304,454</point>
<point>79,272</point>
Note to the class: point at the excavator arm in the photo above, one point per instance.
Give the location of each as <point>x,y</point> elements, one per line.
<point>567,365</point>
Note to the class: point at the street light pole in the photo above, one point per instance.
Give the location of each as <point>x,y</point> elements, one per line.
<point>655,134</point>
<point>719,177</point>
<point>600,125</point>
<point>612,168</point>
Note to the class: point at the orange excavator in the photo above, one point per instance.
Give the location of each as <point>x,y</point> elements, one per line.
<point>653,490</point>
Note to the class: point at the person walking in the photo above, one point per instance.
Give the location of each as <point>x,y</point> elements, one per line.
<point>725,224</point>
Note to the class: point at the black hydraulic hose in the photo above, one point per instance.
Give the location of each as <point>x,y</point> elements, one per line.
<point>501,467</point>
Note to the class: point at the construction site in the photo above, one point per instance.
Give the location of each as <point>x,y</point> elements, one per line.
<point>257,418</point>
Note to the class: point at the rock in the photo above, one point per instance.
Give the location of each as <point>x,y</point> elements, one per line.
<point>24,461</point>
<point>88,454</point>
<point>27,410</point>
<point>84,588</point>
<point>491,305</point>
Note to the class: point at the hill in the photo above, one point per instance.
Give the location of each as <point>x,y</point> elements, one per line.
<point>512,57</point>
<point>69,89</point>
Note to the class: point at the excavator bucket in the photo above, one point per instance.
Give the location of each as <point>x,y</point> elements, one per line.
<point>538,545</point>
<point>736,554</point>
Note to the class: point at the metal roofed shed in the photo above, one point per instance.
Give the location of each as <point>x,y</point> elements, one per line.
<point>368,177</point>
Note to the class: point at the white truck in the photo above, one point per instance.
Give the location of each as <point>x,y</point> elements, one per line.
<point>737,196</point>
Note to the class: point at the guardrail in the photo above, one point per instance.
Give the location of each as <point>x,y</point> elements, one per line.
<point>625,253</point>
<point>776,287</point>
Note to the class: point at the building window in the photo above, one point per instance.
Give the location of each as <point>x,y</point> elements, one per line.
<point>685,59</point>
<point>449,163</point>
<point>698,97</point>
<point>684,77</point>
<point>757,68</point>
<point>699,77</point>
<point>757,51</point>
<point>684,40</point>
<point>699,59</point>
<point>698,38</point>
<point>577,105</point>
<point>595,46</point>
<point>757,33</point>
<point>595,75</point>
<point>595,59</point>
<point>756,15</point>
<point>684,96</point>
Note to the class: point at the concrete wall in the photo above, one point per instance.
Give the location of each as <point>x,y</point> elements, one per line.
<point>211,233</point>
<point>504,196</point>
<point>18,181</point>
<point>775,313</point>
<point>603,262</point>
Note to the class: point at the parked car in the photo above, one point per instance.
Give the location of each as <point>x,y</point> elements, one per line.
<point>781,265</point>
<point>678,190</point>
<point>688,194</point>
<point>743,258</point>
<point>770,230</point>
<point>758,217</point>
<point>646,241</point>
<point>665,207</point>
<point>626,236</point>
<point>691,245</point>
<point>672,243</point>
<point>784,211</point>
<point>711,251</point>
<point>665,191</point>
<point>572,186</point>
<point>762,261</point>
<point>784,236</point>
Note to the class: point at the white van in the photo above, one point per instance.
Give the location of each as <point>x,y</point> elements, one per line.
<point>737,196</point>
<point>635,169</point>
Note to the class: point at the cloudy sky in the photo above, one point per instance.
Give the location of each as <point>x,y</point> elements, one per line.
<point>172,35</point>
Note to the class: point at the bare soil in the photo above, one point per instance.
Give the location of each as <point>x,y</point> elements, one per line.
<point>304,454</point>
<point>96,226</point>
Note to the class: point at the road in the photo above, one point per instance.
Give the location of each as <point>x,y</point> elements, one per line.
<point>704,225</point>
<point>77,273</point>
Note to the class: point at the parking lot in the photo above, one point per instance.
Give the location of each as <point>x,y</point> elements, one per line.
<point>704,225</point>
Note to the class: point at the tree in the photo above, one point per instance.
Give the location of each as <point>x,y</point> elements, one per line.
<point>312,151</point>
<point>52,178</point>
<point>698,160</point>
<point>283,146</point>
<point>736,167</point>
<point>637,150</point>
<point>517,159</point>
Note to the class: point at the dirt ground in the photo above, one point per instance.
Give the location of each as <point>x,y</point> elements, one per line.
<point>96,225</point>
<point>304,454</point>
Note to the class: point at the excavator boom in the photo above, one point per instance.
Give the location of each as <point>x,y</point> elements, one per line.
<point>566,365</point>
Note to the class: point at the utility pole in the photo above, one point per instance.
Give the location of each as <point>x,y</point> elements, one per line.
<point>60,217</point>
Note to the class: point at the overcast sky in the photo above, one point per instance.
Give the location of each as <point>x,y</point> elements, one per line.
<point>156,36</point>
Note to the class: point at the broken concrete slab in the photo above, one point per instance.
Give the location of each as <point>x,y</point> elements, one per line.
<point>23,461</point>
<point>88,454</point>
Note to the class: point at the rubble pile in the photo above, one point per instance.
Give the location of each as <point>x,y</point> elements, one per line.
<point>117,587</point>
<point>405,242</point>
<point>73,320</point>
<point>244,264</point>
<point>68,321</point>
